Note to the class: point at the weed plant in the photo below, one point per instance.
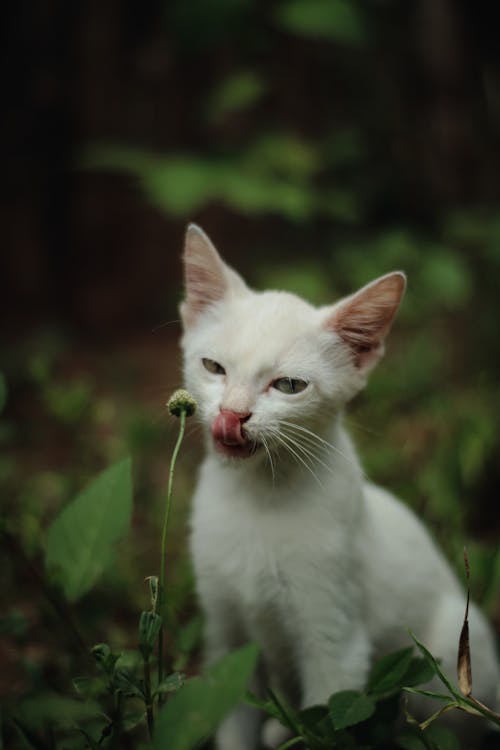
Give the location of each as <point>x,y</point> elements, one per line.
<point>136,700</point>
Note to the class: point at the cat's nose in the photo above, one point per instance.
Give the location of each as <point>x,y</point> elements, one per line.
<point>227,427</point>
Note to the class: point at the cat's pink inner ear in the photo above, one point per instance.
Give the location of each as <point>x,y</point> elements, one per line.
<point>206,279</point>
<point>363,320</point>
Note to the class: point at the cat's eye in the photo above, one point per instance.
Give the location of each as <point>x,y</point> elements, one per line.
<point>289,385</point>
<point>212,366</point>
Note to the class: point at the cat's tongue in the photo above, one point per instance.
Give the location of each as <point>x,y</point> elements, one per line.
<point>228,435</point>
<point>226,429</point>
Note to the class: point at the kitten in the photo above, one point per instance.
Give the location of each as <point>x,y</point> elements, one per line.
<point>292,547</point>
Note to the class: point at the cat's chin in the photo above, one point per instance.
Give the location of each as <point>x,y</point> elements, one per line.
<point>245,450</point>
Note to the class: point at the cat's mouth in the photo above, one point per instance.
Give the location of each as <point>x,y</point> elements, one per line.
<point>244,450</point>
<point>230,437</point>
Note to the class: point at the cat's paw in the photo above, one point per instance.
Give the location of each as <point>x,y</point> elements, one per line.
<point>274,734</point>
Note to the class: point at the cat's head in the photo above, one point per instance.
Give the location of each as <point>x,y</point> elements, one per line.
<point>259,363</point>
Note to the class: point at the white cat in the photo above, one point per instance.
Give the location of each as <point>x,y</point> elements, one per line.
<point>292,547</point>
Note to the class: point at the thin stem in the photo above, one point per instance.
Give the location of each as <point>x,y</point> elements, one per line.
<point>290,743</point>
<point>161,586</point>
<point>147,695</point>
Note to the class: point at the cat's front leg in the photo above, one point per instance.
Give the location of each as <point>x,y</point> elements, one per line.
<point>333,661</point>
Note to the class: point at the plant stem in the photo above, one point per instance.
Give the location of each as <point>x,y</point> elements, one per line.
<point>161,586</point>
<point>290,743</point>
<point>147,693</point>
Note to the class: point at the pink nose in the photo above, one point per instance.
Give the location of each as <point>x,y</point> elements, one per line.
<point>226,427</point>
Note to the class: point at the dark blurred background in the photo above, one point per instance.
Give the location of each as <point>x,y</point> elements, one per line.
<point>320,143</point>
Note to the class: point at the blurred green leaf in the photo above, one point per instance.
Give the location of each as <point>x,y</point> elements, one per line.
<point>445,278</point>
<point>81,539</point>
<point>193,713</point>
<point>337,20</point>
<point>282,154</point>
<point>69,401</point>
<point>50,708</point>
<point>239,91</point>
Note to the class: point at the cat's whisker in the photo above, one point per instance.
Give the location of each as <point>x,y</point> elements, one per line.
<point>285,442</point>
<point>269,457</point>
<point>306,450</point>
<point>322,441</point>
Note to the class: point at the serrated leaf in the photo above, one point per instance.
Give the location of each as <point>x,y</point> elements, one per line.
<point>387,673</point>
<point>81,539</point>
<point>349,707</point>
<point>193,713</point>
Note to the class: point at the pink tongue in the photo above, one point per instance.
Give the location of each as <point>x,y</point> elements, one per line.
<point>226,428</point>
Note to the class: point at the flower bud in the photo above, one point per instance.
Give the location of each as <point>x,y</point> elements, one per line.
<point>181,401</point>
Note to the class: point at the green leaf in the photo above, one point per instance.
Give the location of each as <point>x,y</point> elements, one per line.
<point>337,20</point>
<point>411,739</point>
<point>89,687</point>
<point>237,92</point>
<point>171,684</point>
<point>349,707</point>
<point>128,683</point>
<point>193,713</point>
<point>418,673</point>
<point>149,628</point>
<point>80,540</point>
<point>435,666</point>
<point>442,737</point>
<point>428,694</point>
<point>50,708</point>
<point>387,673</point>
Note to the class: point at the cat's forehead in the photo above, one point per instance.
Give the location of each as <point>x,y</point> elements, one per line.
<point>264,325</point>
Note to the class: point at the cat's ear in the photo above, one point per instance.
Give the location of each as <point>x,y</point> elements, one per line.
<point>363,320</point>
<point>207,278</point>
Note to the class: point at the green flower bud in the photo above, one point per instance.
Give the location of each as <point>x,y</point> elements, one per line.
<point>181,401</point>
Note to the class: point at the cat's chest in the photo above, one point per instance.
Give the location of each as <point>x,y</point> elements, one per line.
<point>261,549</point>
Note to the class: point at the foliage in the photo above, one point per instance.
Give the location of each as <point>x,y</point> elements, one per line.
<point>322,126</point>
<point>80,541</point>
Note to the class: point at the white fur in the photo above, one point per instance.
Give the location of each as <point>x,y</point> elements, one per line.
<point>324,570</point>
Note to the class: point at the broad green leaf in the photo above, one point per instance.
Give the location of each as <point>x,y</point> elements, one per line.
<point>81,539</point>
<point>388,672</point>
<point>442,737</point>
<point>192,714</point>
<point>418,673</point>
<point>349,707</point>
<point>411,739</point>
<point>337,20</point>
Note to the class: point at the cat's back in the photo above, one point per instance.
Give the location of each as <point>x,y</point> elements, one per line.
<point>405,572</point>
